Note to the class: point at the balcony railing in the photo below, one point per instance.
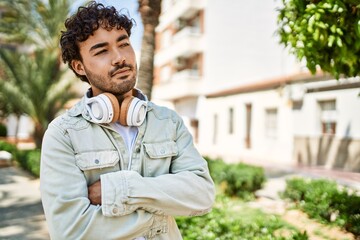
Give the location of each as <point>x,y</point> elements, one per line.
<point>183,9</point>
<point>182,84</point>
<point>184,44</point>
<point>186,75</point>
<point>186,32</point>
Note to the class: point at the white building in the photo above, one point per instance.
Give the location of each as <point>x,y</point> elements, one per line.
<point>244,97</point>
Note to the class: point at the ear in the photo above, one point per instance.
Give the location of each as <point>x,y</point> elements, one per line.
<point>78,67</point>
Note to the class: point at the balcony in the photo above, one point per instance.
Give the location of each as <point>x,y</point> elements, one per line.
<point>186,83</point>
<point>185,43</point>
<point>186,32</point>
<point>181,8</point>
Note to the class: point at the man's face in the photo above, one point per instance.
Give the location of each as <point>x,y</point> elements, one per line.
<point>108,62</point>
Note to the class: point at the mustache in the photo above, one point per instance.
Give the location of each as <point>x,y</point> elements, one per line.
<point>117,67</point>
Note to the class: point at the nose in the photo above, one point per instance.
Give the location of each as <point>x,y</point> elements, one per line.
<point>118,58</point>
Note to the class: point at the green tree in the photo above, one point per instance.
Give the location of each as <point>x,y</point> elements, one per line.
<point>33,86</point>
<point>32,82</point>
<point>35,23</point>
<point>7,108</point>
<point>326,33</point>
<point>150,12</point>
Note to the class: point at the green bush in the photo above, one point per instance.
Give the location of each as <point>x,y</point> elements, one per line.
<point>3,130</point>
<point>242,180</point>
<point>30,161</point>
<point>239,179</point>
<point>319,198</point>
<point>27,159</point>
<point>222,224</point>
<point>217,169</point>
<point>11,148</point>
<point>326,201</point>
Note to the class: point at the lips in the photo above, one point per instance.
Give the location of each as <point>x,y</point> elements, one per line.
<point>121,71</point>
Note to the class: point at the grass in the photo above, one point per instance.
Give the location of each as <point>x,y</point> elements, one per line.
<point>232,218</point>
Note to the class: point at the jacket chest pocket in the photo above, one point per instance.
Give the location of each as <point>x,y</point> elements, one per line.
<point>158,157</point>
<point>95,163</point>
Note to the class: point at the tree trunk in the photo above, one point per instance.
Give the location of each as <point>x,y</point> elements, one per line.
<point>150,12</point>
<point>17,129</point>
<point>38,134</point>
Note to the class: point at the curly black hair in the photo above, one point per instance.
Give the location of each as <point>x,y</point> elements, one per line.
<point>84,23</point>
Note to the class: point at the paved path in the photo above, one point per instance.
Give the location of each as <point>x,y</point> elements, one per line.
<point>21,213</point>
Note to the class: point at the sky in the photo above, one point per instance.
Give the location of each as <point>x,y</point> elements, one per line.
<point>128,7</point>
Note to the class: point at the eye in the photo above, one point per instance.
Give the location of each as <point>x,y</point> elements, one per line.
<point>125,44</point>
<point>100,52</point>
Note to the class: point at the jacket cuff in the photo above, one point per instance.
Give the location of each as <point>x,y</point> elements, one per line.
<point>114,194</point>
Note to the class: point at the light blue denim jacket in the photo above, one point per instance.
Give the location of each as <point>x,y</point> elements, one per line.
<point>168,177</point>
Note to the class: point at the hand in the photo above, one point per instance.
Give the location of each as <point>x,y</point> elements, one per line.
<point>94,193</point>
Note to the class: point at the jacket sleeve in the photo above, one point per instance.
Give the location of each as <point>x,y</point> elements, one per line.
<point>67,208</point>
<point>187,190</point>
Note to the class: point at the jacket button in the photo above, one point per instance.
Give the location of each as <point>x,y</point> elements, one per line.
<point>137,149</point>
<point>97,161</point>
<point>162,150</point>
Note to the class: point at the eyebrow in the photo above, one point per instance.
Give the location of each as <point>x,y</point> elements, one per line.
<point>103,44</point>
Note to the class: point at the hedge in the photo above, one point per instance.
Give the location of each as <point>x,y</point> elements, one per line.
<point>325,200</point>
<point>27,159</point>
<point>225,223</point>
<point>3,130</point>
<point>238,179</point>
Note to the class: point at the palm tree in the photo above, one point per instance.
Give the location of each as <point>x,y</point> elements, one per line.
<point>33,85</point>
<point>30,59</point>
<point>150,12</point>
<point>7,108</point>
<point>36,23</point>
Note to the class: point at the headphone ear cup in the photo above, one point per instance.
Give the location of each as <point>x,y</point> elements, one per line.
<point>103,108</point>
<point>124,110</point>
<point>115,106</point>
<point>132,111</point>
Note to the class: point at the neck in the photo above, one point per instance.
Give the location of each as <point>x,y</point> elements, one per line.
<point>123,96</point>
<point>120,97</point>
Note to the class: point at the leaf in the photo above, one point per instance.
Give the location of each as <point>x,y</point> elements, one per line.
<point>331,40</point>
<point>339,42</point>
<point>323,33</point>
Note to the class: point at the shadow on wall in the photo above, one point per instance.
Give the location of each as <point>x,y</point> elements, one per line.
<point>328,151</point>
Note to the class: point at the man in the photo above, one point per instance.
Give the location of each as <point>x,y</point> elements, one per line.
<point>116,166</point>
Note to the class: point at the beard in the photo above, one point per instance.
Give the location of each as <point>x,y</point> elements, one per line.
<point>115,86</point>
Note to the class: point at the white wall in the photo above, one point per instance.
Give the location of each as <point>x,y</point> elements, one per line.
<point>291,123</point>
<point>241,45</point>
<point>307,120</point>
<point>25,127</point>
<point>232,147</point>
<point>187,107</point>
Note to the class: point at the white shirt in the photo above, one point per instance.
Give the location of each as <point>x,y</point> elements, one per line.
<point>128,133</point>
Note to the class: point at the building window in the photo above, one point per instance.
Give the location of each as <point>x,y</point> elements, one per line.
<point>328,116</point>
<point>248,125</point>
<point>231,120</point>
<point>271,123</point>
<point>215,130</point>
<point>194,123</point>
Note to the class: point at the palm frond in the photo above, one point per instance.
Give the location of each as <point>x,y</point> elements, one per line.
<point>33,22</point>
<point>32,78</point>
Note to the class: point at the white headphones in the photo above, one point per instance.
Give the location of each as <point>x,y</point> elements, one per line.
<point>105,108</point>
